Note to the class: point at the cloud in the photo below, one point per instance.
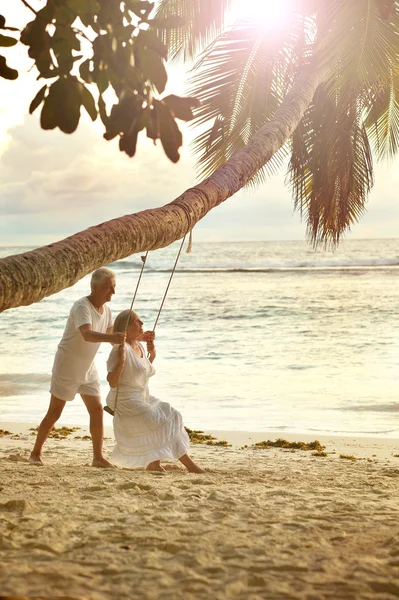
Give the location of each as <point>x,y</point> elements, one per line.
<point>80,180</point>
<point>53,185</point>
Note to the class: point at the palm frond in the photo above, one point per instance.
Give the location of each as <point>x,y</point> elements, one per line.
<point>331,169</point>
<point>385,8</point>
<point>382,120</point>
<point>358,44</point>
<point>240,80</point>
<point>203,20</point>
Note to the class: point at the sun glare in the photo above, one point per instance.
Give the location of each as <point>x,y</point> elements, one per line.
<point>272,15</point>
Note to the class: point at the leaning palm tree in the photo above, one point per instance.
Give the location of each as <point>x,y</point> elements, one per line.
<point>324,91</point>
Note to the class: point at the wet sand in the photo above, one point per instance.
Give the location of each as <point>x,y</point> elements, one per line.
<point>259,524</point>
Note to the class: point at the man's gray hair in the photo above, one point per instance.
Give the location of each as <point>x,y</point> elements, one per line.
<point>100,275</point>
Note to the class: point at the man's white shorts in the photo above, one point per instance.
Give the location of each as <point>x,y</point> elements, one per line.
<point>66,390</point>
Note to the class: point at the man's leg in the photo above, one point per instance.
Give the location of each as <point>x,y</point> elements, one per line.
<point>95,409</point>
<point>53,414</point>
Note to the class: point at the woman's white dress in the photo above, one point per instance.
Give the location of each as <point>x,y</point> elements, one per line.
<point>145,428</point>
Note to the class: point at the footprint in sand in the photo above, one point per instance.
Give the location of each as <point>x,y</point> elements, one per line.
<point>131,486</point>
<point>18,506</point>
<point>17,458</point>
<point>197,480</point>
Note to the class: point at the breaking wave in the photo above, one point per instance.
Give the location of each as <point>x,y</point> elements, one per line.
<point>125,266</point>
<point>16,384</point>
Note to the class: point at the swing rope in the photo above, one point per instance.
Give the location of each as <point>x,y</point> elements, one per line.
<point>169,282</point>
<point>144,259</point>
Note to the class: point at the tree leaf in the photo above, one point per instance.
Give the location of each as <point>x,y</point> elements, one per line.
<point>152,67</point>
<point>84,71</point>
<point>170,134</point>
<point>46,70</point>
<point>88,102</point>
<point>181,107</point>
<point>62,106</point>
<point>33,33</point>
<point>47,116</point>
<point>128,142</point>
<point>140,8</point>
<point>38,99</point>
<point>123,116</point>
<point>102,80</point>
<point>149,39</point>
<point>68,103</point>
<point>153,124</point>
<point>84,7</point>
<point>7,41</point>
<point>102,110</point>
<point>5,71</point>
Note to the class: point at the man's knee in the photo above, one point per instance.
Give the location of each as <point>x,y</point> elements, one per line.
<point>53,414</point>
<point>96,411</point>
<point>93,405</point>
<point>55,409</point>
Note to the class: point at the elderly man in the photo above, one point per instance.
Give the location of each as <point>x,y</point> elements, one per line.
<point>89,323</point>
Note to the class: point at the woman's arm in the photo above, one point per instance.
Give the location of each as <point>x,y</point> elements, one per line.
<point>151,351</point>
<point>114,376</point>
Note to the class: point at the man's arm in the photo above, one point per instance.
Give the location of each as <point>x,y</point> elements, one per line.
<point>95,336</point>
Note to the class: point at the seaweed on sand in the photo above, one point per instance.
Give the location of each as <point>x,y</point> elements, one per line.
<point>4,432</point>
<point>280,443</point>
<point>199,437</point>
<point>348,457</point>
<point>59,433</point>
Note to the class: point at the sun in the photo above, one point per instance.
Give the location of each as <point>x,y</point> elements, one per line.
<point>272,15</point>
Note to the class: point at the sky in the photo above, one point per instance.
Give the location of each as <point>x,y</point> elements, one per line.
<point>53,185</point>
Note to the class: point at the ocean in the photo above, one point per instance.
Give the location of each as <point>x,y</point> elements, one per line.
<point>253,336</point>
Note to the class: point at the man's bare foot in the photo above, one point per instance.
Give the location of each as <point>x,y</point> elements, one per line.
<point>154,466</point>
<point>102,463</point>
<point>36,459</point>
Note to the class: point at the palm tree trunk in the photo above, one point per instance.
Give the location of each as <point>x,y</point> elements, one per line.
<point>29,277</point>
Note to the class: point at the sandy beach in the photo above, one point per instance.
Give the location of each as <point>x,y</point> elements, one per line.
<point>259,524</point>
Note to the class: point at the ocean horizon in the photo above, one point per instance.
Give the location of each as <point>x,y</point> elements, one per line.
<point>254,336</point>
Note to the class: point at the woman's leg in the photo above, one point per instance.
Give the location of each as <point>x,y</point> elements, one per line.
<point>155,465</point>
<point>53,414</point>
<point>190,464</point>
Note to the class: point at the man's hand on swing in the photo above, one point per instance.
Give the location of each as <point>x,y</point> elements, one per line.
<point>147,336</point>
<point>117,338</point>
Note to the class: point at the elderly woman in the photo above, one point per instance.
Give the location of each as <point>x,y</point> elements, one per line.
<point>146,429</point>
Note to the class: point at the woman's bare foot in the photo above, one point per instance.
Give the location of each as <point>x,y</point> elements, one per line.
<point>196,469</point>
<point>36,459</point>
<point>102,463</point>
<point>190,465</point>
<point>155,465</point>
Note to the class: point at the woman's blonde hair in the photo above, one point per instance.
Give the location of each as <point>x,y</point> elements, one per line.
<point>123,320</point>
